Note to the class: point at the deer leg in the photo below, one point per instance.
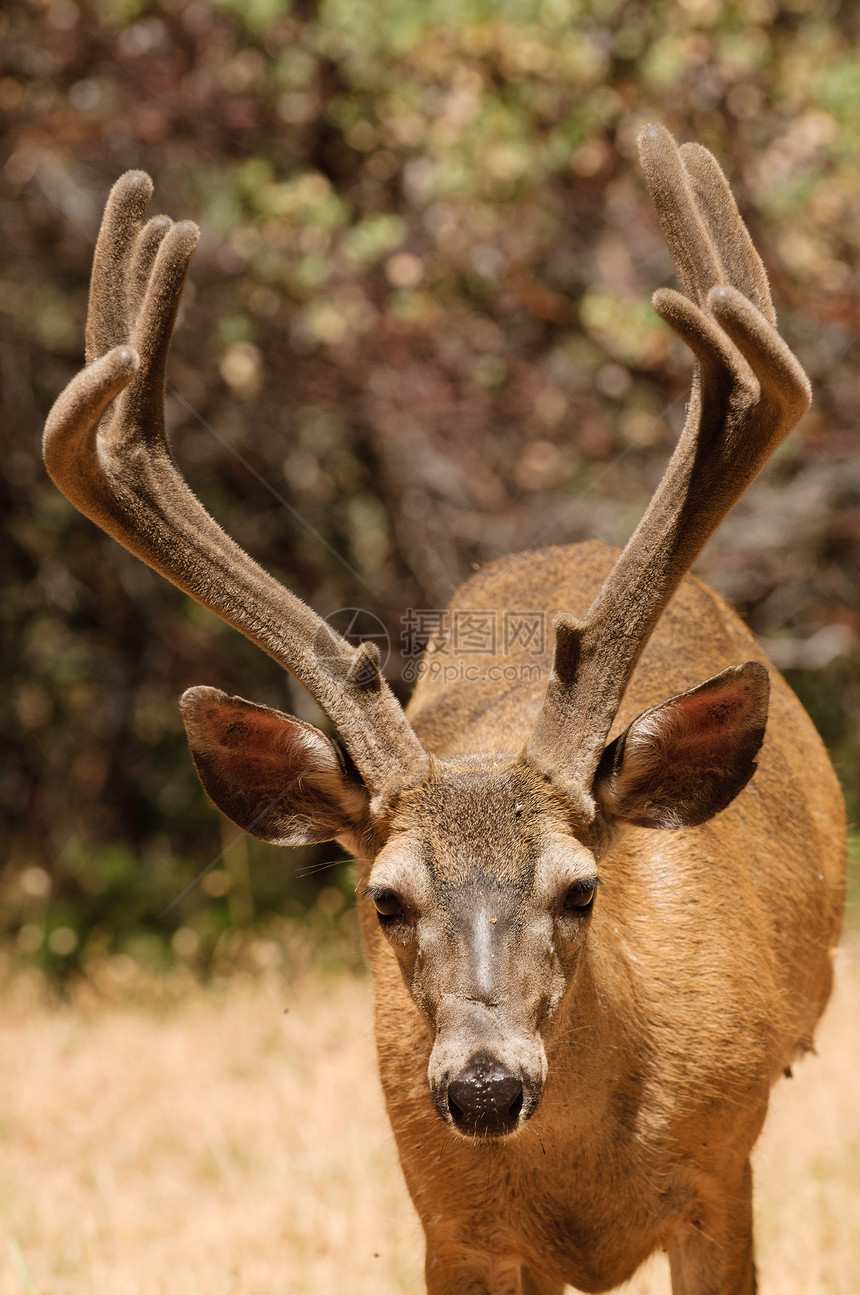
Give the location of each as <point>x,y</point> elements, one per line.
<point>532,1285</point>
<point>453,1269</point>
<point>712,1254</point>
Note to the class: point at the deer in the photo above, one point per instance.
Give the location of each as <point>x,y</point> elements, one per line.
<point>599,900</point>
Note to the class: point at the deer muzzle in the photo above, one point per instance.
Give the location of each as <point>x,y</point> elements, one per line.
<point>486,1080</point>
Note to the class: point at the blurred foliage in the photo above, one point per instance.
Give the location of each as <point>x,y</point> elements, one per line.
<point>417,331</point>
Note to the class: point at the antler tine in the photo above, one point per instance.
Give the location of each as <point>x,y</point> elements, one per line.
<point>729,235</point>
<point>748,392</point>
<point>107,314</point>
<point>106,449</point>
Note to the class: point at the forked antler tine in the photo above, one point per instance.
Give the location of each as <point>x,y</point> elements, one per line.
<point>141,413</point>
<point>116,466</point>
<point>736,347</point>
<point>107,316</point>
<point>70,443</point>
<point>709,241</point>
<point>748,393</point>
<point>696,256</point>
<point>728,233</point>
<point>142,256</point>
<point>782,380</point>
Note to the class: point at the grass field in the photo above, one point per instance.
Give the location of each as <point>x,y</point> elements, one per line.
<point>232,1141</point>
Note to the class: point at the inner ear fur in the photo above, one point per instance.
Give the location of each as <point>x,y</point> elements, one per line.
<point>277,777</point>
<point>680,763</point>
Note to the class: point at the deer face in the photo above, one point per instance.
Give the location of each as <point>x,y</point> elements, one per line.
<point>482,877</point>
<point>484,893</point>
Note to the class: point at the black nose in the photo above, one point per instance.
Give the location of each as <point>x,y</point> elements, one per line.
<point>485,1099</point>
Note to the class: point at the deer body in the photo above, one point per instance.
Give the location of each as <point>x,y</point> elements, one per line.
<point>599,889</point>
<point>704,973</point>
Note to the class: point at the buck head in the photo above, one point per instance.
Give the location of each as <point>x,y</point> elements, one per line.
<point>484,871</point>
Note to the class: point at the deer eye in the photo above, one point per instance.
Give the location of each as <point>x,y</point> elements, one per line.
<point>388,906</point>
<point>579,897</point>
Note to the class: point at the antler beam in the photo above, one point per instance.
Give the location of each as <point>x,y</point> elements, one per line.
<point>748,393</point>
<point>107,450</point>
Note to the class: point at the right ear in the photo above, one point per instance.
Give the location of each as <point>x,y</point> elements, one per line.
<point>277,777</point>
<point>684,761</point>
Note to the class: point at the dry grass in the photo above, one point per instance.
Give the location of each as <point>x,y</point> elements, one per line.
<point>218,1145</point>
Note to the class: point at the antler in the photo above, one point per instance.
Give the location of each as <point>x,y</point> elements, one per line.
<point>748,393</point>
<point>107,450</point>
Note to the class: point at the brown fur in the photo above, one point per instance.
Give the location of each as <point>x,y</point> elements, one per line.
<point>703,972</point>
<point>599,899</point>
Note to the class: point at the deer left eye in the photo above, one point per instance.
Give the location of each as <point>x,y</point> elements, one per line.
<point>387,904</point>
<point>579,897</point>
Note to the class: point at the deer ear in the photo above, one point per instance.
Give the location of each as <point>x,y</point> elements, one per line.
<point>683,761</point>
<point>275,776</point>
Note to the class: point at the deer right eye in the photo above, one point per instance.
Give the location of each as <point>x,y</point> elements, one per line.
<point>580,897</point>
<point>388,906</point>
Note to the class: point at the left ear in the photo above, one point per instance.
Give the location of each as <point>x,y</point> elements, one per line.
<point>683,761</point>
<point>277,777</point>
